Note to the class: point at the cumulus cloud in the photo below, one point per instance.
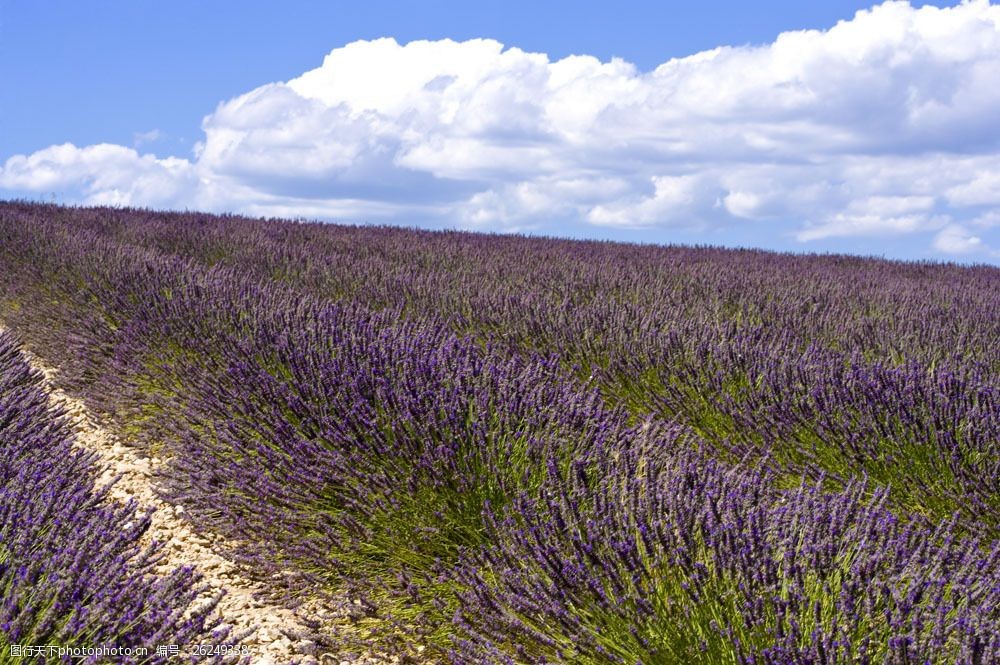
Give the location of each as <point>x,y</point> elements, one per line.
<point>880,126</point>
<point>101,174</point>
<point>957,240</point>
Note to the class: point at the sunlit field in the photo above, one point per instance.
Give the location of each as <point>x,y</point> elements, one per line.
<point>510,449</point>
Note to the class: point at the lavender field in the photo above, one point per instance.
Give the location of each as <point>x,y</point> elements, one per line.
<point>509,449</point>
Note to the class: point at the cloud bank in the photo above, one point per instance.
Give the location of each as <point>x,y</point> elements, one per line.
<point>882,126</point>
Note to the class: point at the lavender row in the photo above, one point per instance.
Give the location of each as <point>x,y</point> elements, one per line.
<point>683,559</point>
<point>933,435</point>
<point>72,572</point>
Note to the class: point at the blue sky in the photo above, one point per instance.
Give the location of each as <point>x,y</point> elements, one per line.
<point>873,135</point>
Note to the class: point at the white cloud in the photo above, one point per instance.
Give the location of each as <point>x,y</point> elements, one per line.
<point>846,225</point>
<point>742,204</point>
<point>101,174</point>
<point>140,138</point>
<point>679,200</point>
<point>982,189</point>
<point>879,126</point>
<point>532,200</point>
<point>988,220</point>
<point>956,239</point>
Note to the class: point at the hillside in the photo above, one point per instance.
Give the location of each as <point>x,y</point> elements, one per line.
<point>510,449</point>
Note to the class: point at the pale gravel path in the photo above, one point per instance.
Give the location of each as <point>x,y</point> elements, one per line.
<point>275,629</point>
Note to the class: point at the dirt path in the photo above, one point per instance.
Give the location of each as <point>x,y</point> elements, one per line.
<point>277,634</point>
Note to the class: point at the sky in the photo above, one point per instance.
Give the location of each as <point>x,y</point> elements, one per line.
<point>809,127</point>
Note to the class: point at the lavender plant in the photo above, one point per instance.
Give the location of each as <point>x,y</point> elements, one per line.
<point>672,558</point>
